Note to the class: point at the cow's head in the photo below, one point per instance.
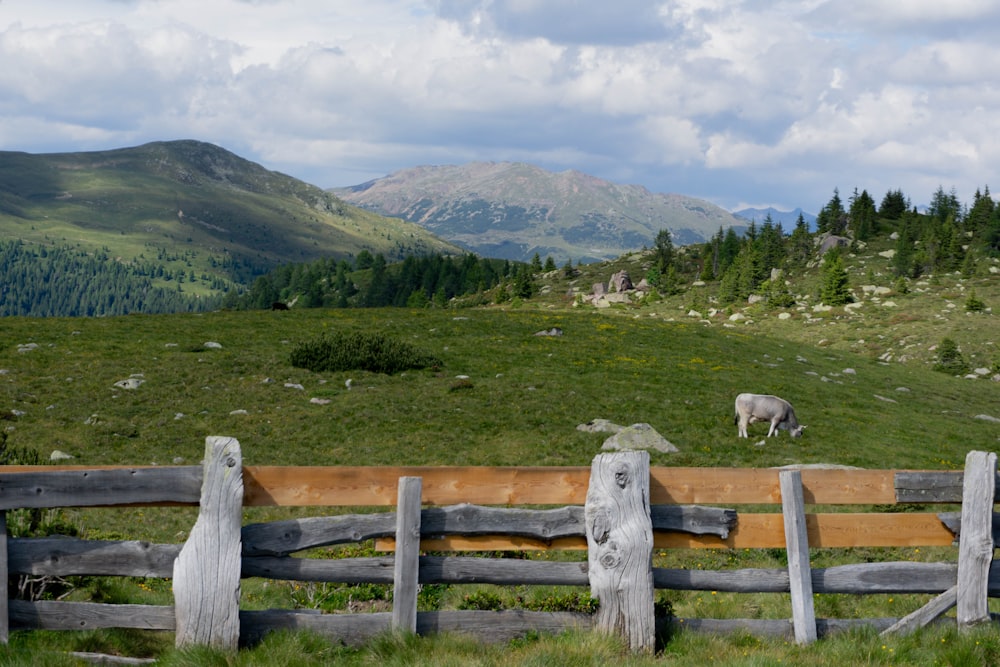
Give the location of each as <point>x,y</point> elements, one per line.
<point>797,431</point>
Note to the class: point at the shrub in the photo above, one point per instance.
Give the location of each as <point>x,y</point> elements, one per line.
<point>340,351</point>
<point>974,304</point>
<point>577,602</point>
<point>482,601</point>
<point>950,358</point>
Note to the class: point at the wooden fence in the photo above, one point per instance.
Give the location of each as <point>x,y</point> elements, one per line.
<point>619,509</point>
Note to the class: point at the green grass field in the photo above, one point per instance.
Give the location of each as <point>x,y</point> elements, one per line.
<point>502,396</point>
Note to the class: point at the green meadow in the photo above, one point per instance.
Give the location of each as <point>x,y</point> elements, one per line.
<point>502,395</point>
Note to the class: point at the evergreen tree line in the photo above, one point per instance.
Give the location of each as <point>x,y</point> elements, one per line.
<point>63,281</point>
<point>946,237</point>
<point>370,282</point>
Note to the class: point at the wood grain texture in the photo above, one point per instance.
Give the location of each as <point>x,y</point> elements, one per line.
<point>207,570</point>
<point>63,557</point>
<point>975,550</point>
<point>375,486</point>
<point>619,547</point>
<point>927,614</point>
<point>797,547</point>
<point>58,615</point>
<point>41,487</point>
<point>4,573</point>
<point>406,567</point>
<point>357,629</point>
<point>854,579</point>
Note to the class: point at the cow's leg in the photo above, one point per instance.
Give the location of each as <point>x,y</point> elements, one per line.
<point>743,427</point>
<point>774,428</point>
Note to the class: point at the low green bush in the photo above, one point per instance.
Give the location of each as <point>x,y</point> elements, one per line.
<point>343,351</point>
<point>950,358</point>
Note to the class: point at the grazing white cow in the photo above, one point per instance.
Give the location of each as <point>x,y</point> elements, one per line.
<point>752,408</point>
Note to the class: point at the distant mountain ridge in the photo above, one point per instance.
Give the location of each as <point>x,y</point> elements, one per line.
<point>513,210</point>
<point>788,219</point>
<point>197,216</point>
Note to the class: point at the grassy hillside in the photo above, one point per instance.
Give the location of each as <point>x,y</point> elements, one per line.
<point>881,325</point>
<point>524,397</point>
<point>192,208</point>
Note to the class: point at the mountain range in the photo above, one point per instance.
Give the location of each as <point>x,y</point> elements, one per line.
<point>193,207</point>
<point>178,221</point>
<point>788,219</point>
<point>513,210</point>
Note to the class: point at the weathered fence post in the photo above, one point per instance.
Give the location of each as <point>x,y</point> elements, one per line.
<point>797,544</point>
<point>406,566</point>
<point>620,547</point>
<point>207,570</point>
<point>975,546</point>
<point>4,570</point>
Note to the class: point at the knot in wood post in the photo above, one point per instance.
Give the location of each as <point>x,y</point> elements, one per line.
<point>620,547</point>
<point>622,473</point>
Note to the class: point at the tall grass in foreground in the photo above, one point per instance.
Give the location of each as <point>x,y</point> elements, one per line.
<point>940,645</point>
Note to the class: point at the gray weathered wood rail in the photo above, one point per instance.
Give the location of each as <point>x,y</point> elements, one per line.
<point>219,552</point>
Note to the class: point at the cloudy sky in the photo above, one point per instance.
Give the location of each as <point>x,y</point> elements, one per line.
<point>740,102</point>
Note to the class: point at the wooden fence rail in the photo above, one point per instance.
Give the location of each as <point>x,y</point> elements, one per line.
<point>451,510</point>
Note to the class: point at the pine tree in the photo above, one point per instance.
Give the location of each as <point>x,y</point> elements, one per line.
<point>903,259</point>
<point>944,205</point>
<point>728,250</point>
<point>770,247</point>
<point>863,216</point>
<point>978,219</point>
<point>835,290</point>
<point>832,219</point>
<point>893,205</point>
<point>536,264</point>
<point>800,243</point>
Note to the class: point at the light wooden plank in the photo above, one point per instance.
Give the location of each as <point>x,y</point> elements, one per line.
<point>752,531</point>
<point>975,550</point>
<point>207,571</point>
<point>620,547</point>
<point>873,529</point>
<point>736,486</point>
<point>376,486</point>
<point>406,568</point>
<point>797,547</point>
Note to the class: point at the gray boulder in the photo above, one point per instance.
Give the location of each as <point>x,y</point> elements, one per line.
<point>638,436</point>
<point>620,282</point>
